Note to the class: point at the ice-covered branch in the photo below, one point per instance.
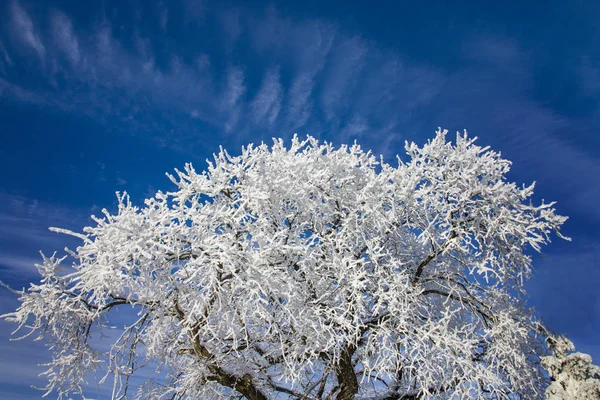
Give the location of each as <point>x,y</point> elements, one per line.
<point>306,271</point>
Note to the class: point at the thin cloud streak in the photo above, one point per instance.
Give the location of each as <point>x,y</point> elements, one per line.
<point>299,106</point>
<point>25,31</point>
<point>20,265</point>
<point>498,108</point>
<point>20,376</point>
<point>163,16</point>
<point>273,75</point>
<point>267,102</point>
<point>116,79</point>
<point>234,90</point>
<point>346,66</point>
<point>335,84</point>
<point>24,232</point>
<point>65,39</point>
<point>5,59</point>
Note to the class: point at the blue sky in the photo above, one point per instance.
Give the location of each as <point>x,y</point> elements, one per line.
<point>97,97</point>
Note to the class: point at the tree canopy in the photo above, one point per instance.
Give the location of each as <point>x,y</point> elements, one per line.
<point>307,272</point>
<point>573,376</point>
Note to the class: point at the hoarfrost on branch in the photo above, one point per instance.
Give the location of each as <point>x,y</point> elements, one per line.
<point>573,376</point>
<point>307,272</point>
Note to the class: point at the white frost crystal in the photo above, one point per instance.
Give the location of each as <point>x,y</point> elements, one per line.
<point>310,272</point>
<point>573,375</point>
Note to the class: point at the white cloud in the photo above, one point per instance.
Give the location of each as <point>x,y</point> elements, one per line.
<point>299,106</point>
<point>24,232</point>
<point>104,40</point>
<point>21,265</point>
<point>5,61</point>
<point>65,39</point>
<point>267,102</point>
<point>348,60</point>
<point>15,92</point>
<point>111,80</point>
<point>313,42</point>
<point>235,88</point>
<point>145,52</point>
<point>501,108</point>
<point>355,128</point>
<point>315,77</point>
<point>25,30</point>
<point>393,89</point>
<point>163,16</point>
<point>307,44</point>
<point>364,91</point>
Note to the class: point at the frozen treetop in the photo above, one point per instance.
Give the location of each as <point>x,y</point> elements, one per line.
<point>573,376</point>
<point>310,272</point>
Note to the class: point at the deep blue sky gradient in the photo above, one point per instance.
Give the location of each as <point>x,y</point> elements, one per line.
<point>97,97</point>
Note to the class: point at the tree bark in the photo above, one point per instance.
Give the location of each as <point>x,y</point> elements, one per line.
<point>243,385</point>
<point>346,376</point>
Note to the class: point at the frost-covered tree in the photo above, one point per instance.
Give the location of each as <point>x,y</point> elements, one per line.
<point>307,272</point>
<point>573,376</point>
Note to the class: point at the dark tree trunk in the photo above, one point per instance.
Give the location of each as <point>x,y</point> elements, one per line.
<point>346,376</point>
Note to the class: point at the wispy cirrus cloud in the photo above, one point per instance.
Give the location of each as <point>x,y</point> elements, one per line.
<point>300,103</point>
<point>163,15</point>
<point>24,29</point>
<point>64,38</point>
<point>5,59</point>
<point>24,224</point>
<point>235,74</point>
<point>348,60</point>
<point>16,377</point>
<point>18,93</point>
<point>103,78</point>
<point>22,362</point>
<point>231,103</point>
<point>307,46</point>
<point>491,98</point>
<point>312,77</point>
<point>17,267</point>
<point>24,231</point>
<point>267,103</point>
